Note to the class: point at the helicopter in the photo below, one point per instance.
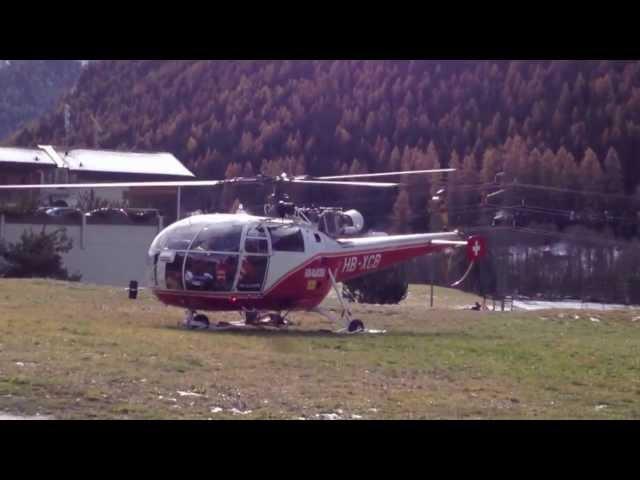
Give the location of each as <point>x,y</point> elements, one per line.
<point>286,259</point>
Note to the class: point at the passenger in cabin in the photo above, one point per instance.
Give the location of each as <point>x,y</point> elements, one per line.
<point>225,272</point>
<point>199,274</point>
<point>198,281</point>
<point>173,280</point>
<point>248,276</point>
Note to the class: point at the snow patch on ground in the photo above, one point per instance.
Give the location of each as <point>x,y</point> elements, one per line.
<point>189,394</point>
<point>7,416</point>
<point>568,305</point>
<point>233,411</point>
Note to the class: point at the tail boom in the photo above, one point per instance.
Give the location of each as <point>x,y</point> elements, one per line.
<point>361,256</point>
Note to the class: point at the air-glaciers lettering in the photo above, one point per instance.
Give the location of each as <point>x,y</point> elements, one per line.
<point>315,272</point>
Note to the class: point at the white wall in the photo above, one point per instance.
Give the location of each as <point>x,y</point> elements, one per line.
<point>112,254</point>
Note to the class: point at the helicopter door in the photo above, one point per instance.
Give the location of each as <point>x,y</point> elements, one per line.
<point>212,261</point>
<point>287,245</point>
<point>169,270</point>
<point>253,267</point>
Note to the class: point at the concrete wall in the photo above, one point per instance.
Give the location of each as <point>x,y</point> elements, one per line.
<point>108,254</point>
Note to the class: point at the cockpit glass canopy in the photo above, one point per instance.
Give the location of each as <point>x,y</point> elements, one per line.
<point>201,237</point>
<point>207,256</point>
<point>175,237</point>
<point>218,238</point>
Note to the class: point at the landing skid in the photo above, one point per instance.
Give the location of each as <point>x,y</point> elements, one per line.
<point>257,320</point>
<point>273,322</point>
<point>351,325</point>
<point>252,321</point>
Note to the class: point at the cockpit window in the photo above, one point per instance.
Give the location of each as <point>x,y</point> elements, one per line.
<point>287,239</point>
<point>218,238</point>
<point>256,232</point>
<point>175,238</point>
<point>256,245</point>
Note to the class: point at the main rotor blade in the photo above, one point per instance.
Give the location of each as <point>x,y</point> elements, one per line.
<point>352,184</point>
<point>197,183</point>
<point>389,174</point>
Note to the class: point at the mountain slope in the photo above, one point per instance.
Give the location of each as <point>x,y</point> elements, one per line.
<point>29,88</point>
<point>320,116</point>
<point>567,124</point>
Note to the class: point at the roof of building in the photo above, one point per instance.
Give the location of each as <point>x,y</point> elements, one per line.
<point>98,160</point>
<point>25,155</point>
<point>124,162</point>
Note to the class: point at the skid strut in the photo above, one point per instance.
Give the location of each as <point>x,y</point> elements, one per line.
<point>351,325</point>
<point>188,319</point>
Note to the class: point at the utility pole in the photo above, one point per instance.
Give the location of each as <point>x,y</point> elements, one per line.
<point>97,131</point>
<point>67,122</point>
<point>178,203</point>
<point>431,295</point>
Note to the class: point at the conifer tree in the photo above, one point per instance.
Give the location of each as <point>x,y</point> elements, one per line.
<point>402,214</point>
<point>491,164</point>
<point>548,169</point>
<point>590,171</point>
<point>612,177</point>
<point>394,159</point>
<point>569,174</point>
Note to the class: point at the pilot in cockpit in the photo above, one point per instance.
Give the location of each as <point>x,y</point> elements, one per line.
<point>199,276</point>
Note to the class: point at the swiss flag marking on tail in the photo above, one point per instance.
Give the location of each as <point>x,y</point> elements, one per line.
<point>476,248</point>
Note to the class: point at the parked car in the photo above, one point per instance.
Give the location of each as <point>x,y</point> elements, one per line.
<point>108,214</point>
<point>59,212</point>
<point>142,215</point>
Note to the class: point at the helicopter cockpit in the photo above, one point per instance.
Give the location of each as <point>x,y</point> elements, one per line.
<point>218,256</point>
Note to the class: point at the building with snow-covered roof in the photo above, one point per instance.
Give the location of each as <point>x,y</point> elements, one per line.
<point>47,164</point>
<point>86,165</point>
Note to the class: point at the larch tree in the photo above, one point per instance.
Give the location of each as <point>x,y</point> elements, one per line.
<point>612,177</point>
<point>515,155</point>
<point>394,159</point>
<point>491,164</point>
<point>569,174</point>
<point>402,214</point>
<point>433,159</point>
<point>533,167</point>
<point>590,171</point>
<point>548,169</point>
<point>356,167</point>
<point>247,170</point>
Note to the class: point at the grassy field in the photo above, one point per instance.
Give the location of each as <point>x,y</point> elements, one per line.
<point>69,350</point>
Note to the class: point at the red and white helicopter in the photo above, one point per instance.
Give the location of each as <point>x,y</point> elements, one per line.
<point>285,260</point>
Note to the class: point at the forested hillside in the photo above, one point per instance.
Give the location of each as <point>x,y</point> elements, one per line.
<point>570,124</point>
<point>29,88</point>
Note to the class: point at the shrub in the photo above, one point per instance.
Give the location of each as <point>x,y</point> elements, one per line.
<point>37,255</point>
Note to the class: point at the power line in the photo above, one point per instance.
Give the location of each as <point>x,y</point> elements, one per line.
<point>567,190</point>
<point>540,210</point>
<point>539,187</point>
<point>580,238</point>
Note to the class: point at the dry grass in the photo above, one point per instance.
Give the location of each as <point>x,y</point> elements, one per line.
<point>80,351</point>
